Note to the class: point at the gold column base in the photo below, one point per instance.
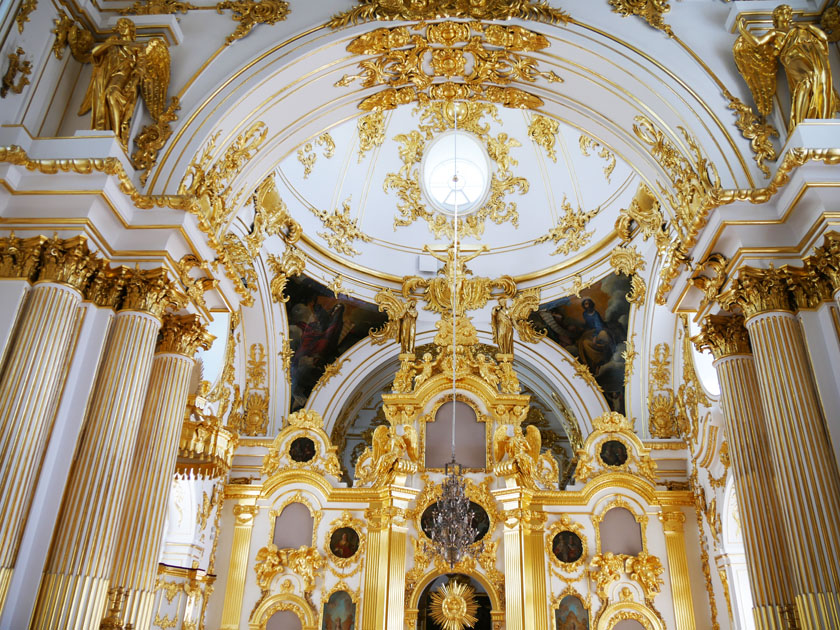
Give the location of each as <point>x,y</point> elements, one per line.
<point>771,617</point>
<point>68,602</point>
<point>138,606</point>
<point>818,611</point>
<point>5,581</point>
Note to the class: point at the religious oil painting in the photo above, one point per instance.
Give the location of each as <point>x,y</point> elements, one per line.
<point>593,328</point>
<point>344,542</point>
<point>339,612</point>
<point>571,614</point>
<point>567,546</point>
<point>321,328</point>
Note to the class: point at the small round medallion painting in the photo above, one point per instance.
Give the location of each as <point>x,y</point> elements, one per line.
<point>302,449</point>
<point>613,453</point>
<point>567,546</point>
<point>344,542</point>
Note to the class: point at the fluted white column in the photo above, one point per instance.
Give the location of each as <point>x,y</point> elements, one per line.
<point>141,527</point>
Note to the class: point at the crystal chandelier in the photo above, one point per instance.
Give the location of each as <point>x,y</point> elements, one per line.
<point>452,531</point>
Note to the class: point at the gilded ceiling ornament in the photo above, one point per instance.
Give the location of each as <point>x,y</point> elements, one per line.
<point>343,230</point>
<point>570,232</point>
<point>587,144</point>
<point>371,131</point>
<point>152,138</point>
<point>519,455</point>
<point>210,179</point>
<point>401,324</point>
<point>26,7</point>
<point>370,10</point>
<point>628,260</point>
<point>651,10</point>
<point>453,606</point>
<point>802,50</point>
<point>755,129</point>
<point>306,154</point>
<point>438,117</point>
<point>543,131</point>
<point>17,66</point>
<point>157,7</point>
<point>485,59</point>
<point>249,13</point>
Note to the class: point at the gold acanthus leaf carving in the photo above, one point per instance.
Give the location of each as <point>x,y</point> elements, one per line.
<point>651,10</point>
<point>343,230</point>
<point>157,7</point>
<point>371,132</point>
<point>306,154</point>
<point>410,61</point>
<point>570,233</point>
<point>17,66</point>
<point>409,10</point>
<point>755,129</point>
<point>543,131</point>
<point>436,118</point>
<point>628,260</point>
<point>24,10</point>
<point>587,144</point>
<point>249,13</point>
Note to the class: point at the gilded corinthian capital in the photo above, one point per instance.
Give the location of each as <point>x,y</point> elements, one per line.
<point>183,334</point>
<point>723,335</point>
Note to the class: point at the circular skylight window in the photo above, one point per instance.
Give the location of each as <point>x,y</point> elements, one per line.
<point>455,173</point>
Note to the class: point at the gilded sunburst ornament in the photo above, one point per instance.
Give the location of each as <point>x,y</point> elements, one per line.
<point>454,606</point>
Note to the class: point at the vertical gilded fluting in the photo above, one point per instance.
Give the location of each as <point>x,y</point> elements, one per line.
<point>141,527</point>
<point>673,525</point>
<point>758,501</point>
<point>32,373</point>
<point>75,584</point>
<point>238,567</point>
<point>807,473</point>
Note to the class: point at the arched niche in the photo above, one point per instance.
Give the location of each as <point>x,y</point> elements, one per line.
<point>470,434</point>
<point>295,522</point>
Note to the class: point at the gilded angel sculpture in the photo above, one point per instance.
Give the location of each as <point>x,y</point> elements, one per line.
<point>802,50</point>
<point>121,66</point>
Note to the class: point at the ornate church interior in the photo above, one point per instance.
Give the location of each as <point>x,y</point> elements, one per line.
<point>419,314</point>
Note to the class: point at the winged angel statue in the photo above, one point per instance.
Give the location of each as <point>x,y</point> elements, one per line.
<point>121,65</point>
<point>802,50</point>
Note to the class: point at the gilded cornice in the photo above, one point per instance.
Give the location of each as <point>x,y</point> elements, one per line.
<point>723,335</point>
<point>388,10</point>
<point>183,334</point>
<point>84,166</point>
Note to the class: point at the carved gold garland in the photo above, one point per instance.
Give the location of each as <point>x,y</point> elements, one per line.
<point>493,52</point>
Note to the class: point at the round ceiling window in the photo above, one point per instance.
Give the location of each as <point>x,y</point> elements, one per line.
<point>456,173</point>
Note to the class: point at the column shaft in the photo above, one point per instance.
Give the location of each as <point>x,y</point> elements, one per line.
<point>808,481</point>
<point>74,589</point>
<point>28,389</point>
<point>755,487</point>
<point>138,544</point>
<point>673,524</point>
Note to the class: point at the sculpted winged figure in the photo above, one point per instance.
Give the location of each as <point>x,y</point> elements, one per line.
<point>802,50</point>
<point>122,66</point>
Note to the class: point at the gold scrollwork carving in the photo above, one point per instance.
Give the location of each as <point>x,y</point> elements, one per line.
<point>249,13</point>
<point>537,10</point>
<point>651,10</point>
<point>402,62</point>
<point>17,66</point>
<point>570,233</point>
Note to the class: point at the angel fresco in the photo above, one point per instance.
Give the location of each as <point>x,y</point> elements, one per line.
<point>121,66</point>
<point>802,50</point>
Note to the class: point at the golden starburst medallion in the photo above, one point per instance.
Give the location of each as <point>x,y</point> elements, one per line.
<point>454,606</point>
